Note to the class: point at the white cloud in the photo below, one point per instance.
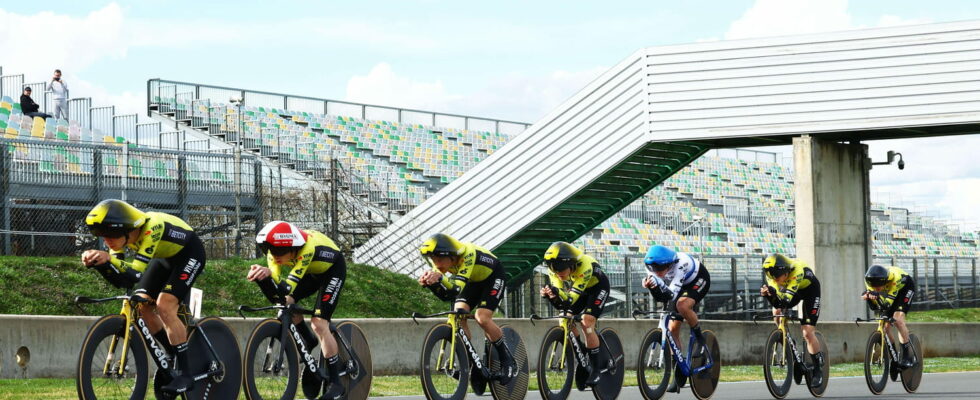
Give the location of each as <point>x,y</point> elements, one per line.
<point>517,97</point>
<point>383,86</point>
<point>788,17</point>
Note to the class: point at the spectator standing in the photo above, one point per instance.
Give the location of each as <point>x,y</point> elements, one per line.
<point>59,92</point>
<point>28,106</point>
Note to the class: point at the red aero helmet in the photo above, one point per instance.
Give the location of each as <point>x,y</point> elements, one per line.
<point>280,234</point>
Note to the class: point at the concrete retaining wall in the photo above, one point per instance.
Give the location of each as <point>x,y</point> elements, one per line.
<point>53,342</point>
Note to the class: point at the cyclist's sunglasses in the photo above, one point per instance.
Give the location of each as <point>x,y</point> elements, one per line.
<point>659,266</point>
<point>275,251</point>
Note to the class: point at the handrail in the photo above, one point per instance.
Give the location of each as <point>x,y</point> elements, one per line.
<point>363,106</point>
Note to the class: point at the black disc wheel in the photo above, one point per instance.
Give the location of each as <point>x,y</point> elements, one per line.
<point>911,377</point>
<point>704,383</point>
<point>612,365</point>
<point>359,369</point>
<point>445,368</point>
<point>214,333</point>
<point>877,361</point>
<point>825,369</point>
<point>777,365</point>
<point>107,368</point>
<point>516,387</point>
<point>653,365</point>
<point>271,367</point>
<point>556,366</point>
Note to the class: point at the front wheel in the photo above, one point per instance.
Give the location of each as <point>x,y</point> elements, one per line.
<point>556,366</point>
<point>271,367</point>
<point>911,377</point>
<point>358,364</point>
<point>214,333</point>
<point>445,368</point>
<point>100,373</point>
<point>653,365</point>
<point>777,365</point>
<point>877,361</point>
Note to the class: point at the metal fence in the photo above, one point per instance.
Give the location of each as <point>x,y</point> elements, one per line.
<point>174,96</point>
<point>942,282</point>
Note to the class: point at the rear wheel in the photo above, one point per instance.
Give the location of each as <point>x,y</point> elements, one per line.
<point>357,380</point>
<point>611,360</point>
<point>271,367</point>
<point>556,366</point>
<point>653,366</point>
<point>98,374</point>
<point>825,368</point>
<point>227,384</point>
<point>911,377</point>
<point>516,388</point>
<point>704,383</point>
<point>777,365</point>
<point>443,379</point>
<point>877,361</point>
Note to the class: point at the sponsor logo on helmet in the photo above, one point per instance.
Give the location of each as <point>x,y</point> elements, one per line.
<point>283,236</point>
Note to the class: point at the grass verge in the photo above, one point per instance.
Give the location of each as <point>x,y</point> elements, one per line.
<point>47,285</point>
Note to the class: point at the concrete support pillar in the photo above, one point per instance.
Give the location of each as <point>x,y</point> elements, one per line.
<point>833,232</point>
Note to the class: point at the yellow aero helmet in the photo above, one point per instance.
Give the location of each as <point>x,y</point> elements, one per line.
<point>561,256</point>
<point>777,265</point>
<point>114,218</point>
<point>441,245</point>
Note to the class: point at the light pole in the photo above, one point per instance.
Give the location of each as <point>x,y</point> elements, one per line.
<point>238,178</point>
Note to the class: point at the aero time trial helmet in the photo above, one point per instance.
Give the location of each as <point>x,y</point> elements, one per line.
<point>114,218</point>
<point>660,258</point>
<point>777,265</point>
<point>280,238</point>
<point>876,276</point>
<point>441,245</point>
<point>561,256</point>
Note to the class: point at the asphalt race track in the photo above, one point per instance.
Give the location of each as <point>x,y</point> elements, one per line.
<point>952,385</point>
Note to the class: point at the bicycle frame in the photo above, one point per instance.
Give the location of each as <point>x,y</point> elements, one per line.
<point>456,319</point>
<point>884,328</point>
<point>568,326</point>
<point>782,325</point>
<point>682,361</point>
<point>284,315</point>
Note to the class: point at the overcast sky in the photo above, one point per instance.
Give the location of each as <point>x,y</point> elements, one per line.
<point>513,60</point>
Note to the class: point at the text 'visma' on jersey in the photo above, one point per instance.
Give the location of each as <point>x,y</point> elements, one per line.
<point>316,257</point>
<point>581,278</point>
<point>478,263</point>
<point>680,274</point>
<point>161,236</point>
<point>800,278</point>
<point>895,283</point>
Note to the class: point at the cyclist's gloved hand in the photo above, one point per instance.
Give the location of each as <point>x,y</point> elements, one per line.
<point>283,288</point>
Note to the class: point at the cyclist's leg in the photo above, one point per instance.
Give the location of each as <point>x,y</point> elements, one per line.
<point>331,286</point>
<point>185,268</point>
<point>900,306</point>
<point>486,296</point>
<point>308,286</point>
<point>594,300</point>
<point>689,297</point>
<point>811,313</point>
<point>148,287</point>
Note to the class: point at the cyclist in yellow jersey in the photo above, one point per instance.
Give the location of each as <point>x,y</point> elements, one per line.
<point>169,258</point>
<point>892,288</point>
<point>315,265</point>
<point>577,284</point>
<point>471,277</point>
<point>788,282</point>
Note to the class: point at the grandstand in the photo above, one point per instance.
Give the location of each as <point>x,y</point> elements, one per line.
<point>371,169</point>
<point>716,206</point>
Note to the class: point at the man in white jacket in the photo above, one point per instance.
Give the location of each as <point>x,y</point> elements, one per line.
<point>59,94</point>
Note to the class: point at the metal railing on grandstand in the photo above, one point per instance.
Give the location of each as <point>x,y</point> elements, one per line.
<point>215,192</point>
<point>942,282</point>
<point>169,96</point>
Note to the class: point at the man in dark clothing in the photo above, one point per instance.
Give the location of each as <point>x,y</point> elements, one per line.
<point>29,107</point>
